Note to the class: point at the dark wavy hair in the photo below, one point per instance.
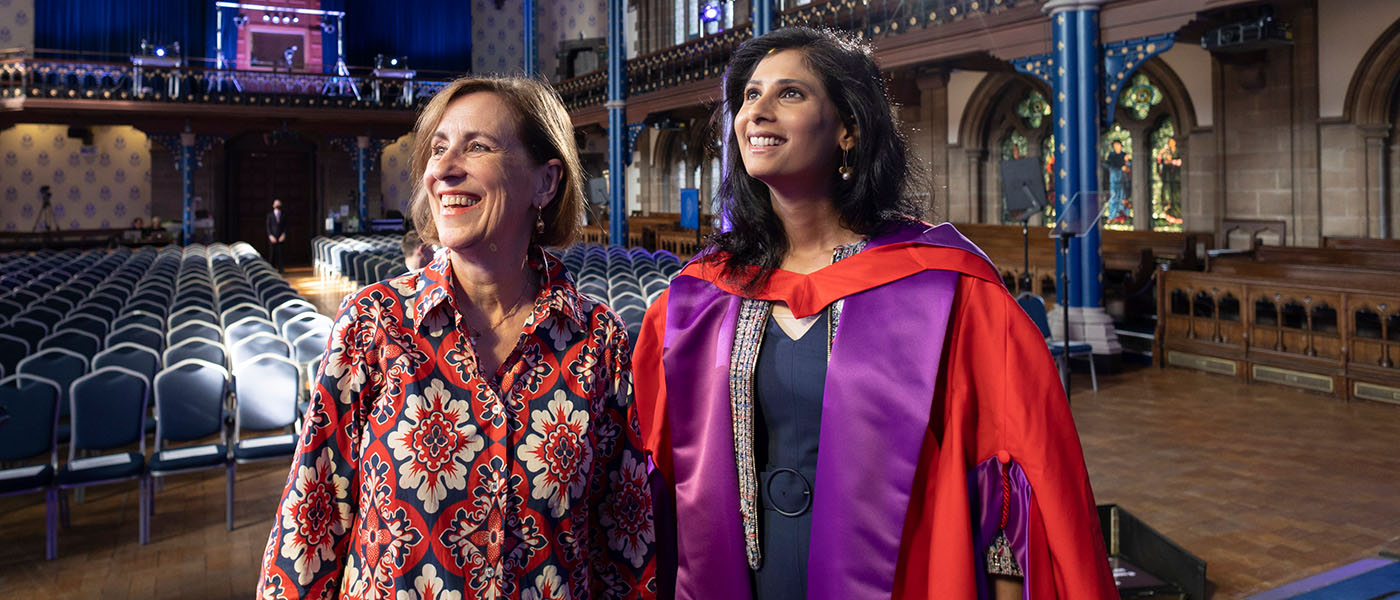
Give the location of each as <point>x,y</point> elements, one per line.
<point>871,201</point>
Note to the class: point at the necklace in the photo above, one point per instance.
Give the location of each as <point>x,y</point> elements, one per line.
<point>515,306</point>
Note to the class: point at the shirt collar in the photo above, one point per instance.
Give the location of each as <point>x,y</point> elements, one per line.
<point>557,294</point>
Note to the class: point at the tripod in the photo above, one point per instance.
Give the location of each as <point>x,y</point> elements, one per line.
<point>45,221</point>
<point>341,80</point>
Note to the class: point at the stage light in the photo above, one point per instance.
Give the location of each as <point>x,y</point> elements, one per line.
<point>393,62</point>
<point>160,51</point>
<point>266,17</point>
<point>711,12</point>
<point>296,19</point>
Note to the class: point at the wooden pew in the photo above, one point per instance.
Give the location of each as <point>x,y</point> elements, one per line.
<point>1351,243</point>
<point>1324,328</point>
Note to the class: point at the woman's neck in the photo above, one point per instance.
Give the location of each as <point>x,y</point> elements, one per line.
<point>813,229</point>
<point>492,285</point>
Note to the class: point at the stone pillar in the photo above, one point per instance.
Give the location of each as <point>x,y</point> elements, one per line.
<point>1076,83</point>
<point>617,127</point>
<point>186,187</point>
<point>933,99</point>
<point>975,188</point>
<point>1142,180</point>
<point>362,180</point>
<point>1375,166</point>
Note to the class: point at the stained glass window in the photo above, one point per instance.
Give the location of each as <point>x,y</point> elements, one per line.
<point>1116,151</point>
<point>1140,97</point>
<point>1166,178</point>
<point>1033,109</point>
<point>1014,146</point>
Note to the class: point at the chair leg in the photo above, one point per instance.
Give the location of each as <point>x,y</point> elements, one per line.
<point>63,509</point>
<point>1093,377</point>
<point>228,496</point>
<point>143,522</point>
<point>51,523</point>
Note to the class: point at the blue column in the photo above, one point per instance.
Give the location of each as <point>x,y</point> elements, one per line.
<point>531,52</point>
<point>1075,38</point>
<point>362,179</point>
<point>617,128</point>
<point>1086,159</point>
<point>762,17</point>
<point>186,187</point>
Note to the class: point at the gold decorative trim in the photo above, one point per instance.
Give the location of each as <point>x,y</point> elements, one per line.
<point>1298,379</point>
<point>1379,393</point>
<point>1209,364</point>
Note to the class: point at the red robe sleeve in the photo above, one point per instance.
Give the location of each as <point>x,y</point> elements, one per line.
<point>1000,395</point>
<point>649,383</point>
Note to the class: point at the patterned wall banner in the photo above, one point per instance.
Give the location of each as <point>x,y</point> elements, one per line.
<point>396,179</point>
<point>17,25</point>
<point>498,33</point>
<point>105,185</point>
<point>567,20</point>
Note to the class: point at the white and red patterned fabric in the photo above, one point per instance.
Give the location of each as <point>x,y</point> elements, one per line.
<point>419,477</point>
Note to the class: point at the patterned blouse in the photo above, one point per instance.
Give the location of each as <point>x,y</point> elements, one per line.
<point>417,477</point>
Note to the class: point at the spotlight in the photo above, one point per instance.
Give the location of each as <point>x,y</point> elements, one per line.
<point>266,17</point>
<point>160,51</point>
<point>711,12</point>
<point>393,62</point>
<point>296,19</point>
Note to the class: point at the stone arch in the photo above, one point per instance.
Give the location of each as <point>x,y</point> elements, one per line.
<point>990,114</point>
<point>1373,86</point>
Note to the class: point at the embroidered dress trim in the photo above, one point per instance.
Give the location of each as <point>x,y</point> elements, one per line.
<point>743,358</point>
<point>1000,560</point>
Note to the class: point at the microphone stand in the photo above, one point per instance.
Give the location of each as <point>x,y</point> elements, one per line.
<point>1064,232</point>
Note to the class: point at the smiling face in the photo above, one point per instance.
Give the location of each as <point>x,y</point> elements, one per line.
<point>483,186</point>
<point>787,128</point>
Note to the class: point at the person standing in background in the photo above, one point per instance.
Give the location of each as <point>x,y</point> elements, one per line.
<point>276,233</point>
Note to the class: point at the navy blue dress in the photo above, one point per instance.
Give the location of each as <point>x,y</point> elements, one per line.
<point>788,383</point>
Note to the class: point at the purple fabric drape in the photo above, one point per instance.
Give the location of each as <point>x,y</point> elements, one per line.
<point>878,395</point>
<point>700,321</point>
<point>985,488</point>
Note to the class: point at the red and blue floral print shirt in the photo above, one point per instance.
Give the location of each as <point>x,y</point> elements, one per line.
<point>417,477</point>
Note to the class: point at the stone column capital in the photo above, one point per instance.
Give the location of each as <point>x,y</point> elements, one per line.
<point>932,78</point>
<point>1057,6</point>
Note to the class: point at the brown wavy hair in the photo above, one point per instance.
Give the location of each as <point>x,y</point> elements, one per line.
<point>541,123</point>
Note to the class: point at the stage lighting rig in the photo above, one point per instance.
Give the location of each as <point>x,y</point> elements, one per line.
<point>394,67</point>
<point>157,55</point>
<point>712,12</point>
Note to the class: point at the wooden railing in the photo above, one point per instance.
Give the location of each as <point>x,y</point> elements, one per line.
<point>705,57</point>
<point>1321,327</point>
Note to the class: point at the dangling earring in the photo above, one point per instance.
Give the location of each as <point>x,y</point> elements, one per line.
<point>845,169</point>
<point>539,221</point>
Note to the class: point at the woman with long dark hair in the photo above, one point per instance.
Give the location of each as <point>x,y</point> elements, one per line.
<point>843,401</point>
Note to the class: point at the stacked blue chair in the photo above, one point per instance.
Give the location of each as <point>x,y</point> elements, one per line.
<point>30,431</point>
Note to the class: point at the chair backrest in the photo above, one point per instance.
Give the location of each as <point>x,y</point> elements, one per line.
<point>194,329</point>
<point>247,326</point>
<point>77,340</point>
<point>309,345</point>
<point>189,398</point>
<point>195,348</point>
<point>192,314</point>
<point>155,308</point>
<point>1035,307</point>
<point>60,365</point>
<point>254,345</point>
<point>241,311</point>
<point>109,410</point>
<point>267,392</point>
<point>31,403</point>
<point>139,317</point>
<point>136,357</point>
<point>86,321</point>
<point>304,322</point>
<point>289,309</point>
<point>139,334</point>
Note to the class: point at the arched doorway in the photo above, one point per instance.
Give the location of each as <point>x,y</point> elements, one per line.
<point>267,166</point>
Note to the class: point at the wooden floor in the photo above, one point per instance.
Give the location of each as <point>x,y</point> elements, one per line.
<point>1267,484</point>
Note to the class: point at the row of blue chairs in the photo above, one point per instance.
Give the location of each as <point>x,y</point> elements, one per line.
<point>217,306</point>
<point>364,259</point>
<point>627,279</point>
